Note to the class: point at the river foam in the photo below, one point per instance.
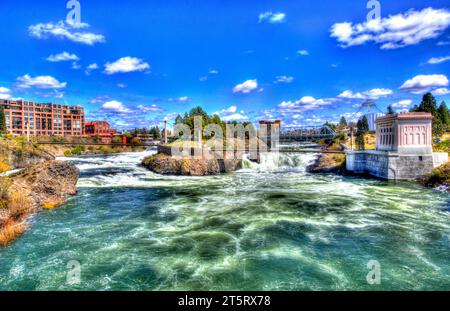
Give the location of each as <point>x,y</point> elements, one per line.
<point>270,226</point>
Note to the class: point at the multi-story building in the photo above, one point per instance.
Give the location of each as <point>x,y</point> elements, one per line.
<point>100,129</point>
<point>26,117</point>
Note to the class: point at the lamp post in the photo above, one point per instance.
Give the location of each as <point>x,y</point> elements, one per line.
<point>165,131</point>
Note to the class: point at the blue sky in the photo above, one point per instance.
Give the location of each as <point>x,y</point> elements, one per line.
<point>306,62</point>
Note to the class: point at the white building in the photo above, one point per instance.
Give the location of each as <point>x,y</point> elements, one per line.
<point>372,118</point>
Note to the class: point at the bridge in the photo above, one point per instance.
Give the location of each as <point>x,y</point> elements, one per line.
<point>306,133</point>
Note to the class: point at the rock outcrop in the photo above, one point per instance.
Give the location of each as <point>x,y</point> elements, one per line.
<point>328,163</point>
<point>49,182</point>
<point>166,165</point>
<point>43,185</point>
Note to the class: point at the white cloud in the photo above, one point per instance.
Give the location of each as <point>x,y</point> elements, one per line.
<point>151,108</point>
<point>99,99</point>
<point>90,68</point>
<point>402,104</point>
<point>246,87</point>
<point>62,57</point>
<point>121,85</point>
<point>370,94</point>
<point>213,72</point>
<point>351,116</point>
<point>75,66</point>
<point>116,107</point>
<point>65,31</point>
<point>273,18</point>
<point>425,83</point>
<point>443,43</point>
<point>303,52</point>
<point>180,99</point>
<point>231,114</point>
<point>305,103</point>
<point>234,117</point>
<point>40,82</point>
<point>5,93</point>
<point>395,31</point>
<point>284,79</point>
<point>438,60</point>
<point>126,64</point>
<point>441,91</point>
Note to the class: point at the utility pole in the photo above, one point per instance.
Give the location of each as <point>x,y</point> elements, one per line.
<point>165,131</point>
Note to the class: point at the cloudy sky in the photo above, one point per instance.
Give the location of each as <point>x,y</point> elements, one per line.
<point>306,62</point>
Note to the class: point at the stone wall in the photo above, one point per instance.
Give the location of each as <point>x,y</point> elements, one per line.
<point>392,166</point>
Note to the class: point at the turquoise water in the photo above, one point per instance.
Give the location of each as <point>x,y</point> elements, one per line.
<point>267,227</point>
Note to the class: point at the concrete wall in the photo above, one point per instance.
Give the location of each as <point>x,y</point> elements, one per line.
<point>440,158</point>
<point>392,166</point>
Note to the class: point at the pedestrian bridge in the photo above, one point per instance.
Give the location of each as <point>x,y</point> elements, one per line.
<point>306,133</point>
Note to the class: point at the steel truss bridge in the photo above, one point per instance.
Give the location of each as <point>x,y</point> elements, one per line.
<point>306,133</point>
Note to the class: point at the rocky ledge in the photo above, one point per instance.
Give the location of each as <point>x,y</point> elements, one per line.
<point>44,185</point>
<point>49,182</point>
<point>328,163</point>
<point>167,165</point>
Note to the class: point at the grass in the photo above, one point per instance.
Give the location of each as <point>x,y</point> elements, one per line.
<point>439,176</point>
<point>11,230</point>
<point>15,207</point>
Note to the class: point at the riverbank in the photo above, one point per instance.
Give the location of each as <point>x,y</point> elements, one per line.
<point>438,179</point>
<point>40,186</point>
<point>260,228</point>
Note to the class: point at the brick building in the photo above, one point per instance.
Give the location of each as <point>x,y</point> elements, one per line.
<point>24,116</point>
<point>100,129</point>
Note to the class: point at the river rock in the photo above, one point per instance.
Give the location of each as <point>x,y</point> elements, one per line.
<point>166,165</point>
<point>49,182</point>
<point>327,163</point>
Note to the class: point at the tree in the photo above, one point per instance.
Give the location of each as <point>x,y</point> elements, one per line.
<point>343,123</point>
<point>360,143</point>
<point>428,104</point>
<point>330,125</point>
<point>390,110</point>
<point>438,127</point>
<point>363,125</point>
<point>444,114</point>
<point>2,121</point>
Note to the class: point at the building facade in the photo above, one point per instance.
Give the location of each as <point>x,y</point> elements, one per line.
<point>408,133</point>
<point>100,129</point>
<point>26,117</point>
<point>404,149</point>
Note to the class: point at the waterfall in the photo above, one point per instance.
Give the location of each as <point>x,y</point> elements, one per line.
<point>279,162</point>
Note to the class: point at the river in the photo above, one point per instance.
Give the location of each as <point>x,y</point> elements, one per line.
<point>266,227</point>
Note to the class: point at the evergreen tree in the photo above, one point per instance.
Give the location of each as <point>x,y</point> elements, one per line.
<point>444,114</point>
<point>2,121</point>
<point>343,122</point>
<point>361,130</point>
<point>428,104</point>
<point>364,125</point>
<point>360,143</point>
